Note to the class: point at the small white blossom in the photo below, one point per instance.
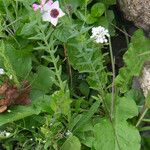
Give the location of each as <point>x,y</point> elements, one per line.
<point>9,110</point>
<point>52,13</point>
<point>5,133</point>
<point>10,77</point>
<point>68,133</point>
<point>2,71</point>
<point>100,34</point>
<point>44,141</point>
<point>50,124</point>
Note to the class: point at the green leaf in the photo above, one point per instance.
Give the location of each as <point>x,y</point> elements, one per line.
<point>98,9</point>
<point>90,19</point>
<point>84,88</point>
<point>128,107</point>
<point>109,2</point>
<point>76,3</point>
<point>62,34</point>
<point>20,61</point>
<point>72,143</point>
<point>18,112</point>
<point>38,105</point>
<point>28,28</point>
<point>60,102</point>
<point>147,100</point>
<point>87,58</point>
<point>43,79</point>
<point>87,116</point>
<point>138,52</point>
<point>119,134</point>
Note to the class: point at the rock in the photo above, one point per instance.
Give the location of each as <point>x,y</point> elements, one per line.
<point>137,11</point>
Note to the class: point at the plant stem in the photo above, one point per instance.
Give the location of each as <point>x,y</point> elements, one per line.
<point>142,116</point>
<point>146,120</point>
<point>145,129</point>
<point>54,60</point>
<point>69,66</point>
<point>113,80</point>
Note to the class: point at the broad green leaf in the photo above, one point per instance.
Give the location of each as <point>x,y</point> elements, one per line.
<point>98,9</point>
<point>43,79</point>
<point>60,102</point>
<point>119,134</point>
<point>20,61</point>
<point>126,109</point>
<point>38,105</point>
<point>72,143</point>
<point>134,59</point>
<point>87,116</point>
<point>18,112</point>
<point>90,19</point>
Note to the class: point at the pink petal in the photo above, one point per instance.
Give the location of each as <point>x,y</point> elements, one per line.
<point>43,2</point>
<point>55,5</point>
<point>35,7</point>
<point>46,7</point>
<point>50,2</point>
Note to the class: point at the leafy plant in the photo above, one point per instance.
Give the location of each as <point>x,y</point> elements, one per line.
<point>79,99</point>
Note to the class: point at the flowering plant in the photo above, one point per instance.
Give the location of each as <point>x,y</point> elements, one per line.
<point>63,83</point>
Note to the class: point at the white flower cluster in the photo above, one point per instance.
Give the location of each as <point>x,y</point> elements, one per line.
<point>100,34</point>
<point>5,133</point>
<point>145,80</point>
<point>2,72</point>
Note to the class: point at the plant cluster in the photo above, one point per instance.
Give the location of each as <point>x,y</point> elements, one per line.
<point>60,88</point>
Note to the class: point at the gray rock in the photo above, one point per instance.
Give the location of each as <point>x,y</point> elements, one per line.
<point>137,11</point>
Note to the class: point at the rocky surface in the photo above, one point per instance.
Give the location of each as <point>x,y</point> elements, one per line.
<point>137,11</point>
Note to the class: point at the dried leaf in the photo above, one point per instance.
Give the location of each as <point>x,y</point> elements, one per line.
<point>3,109</point>
<point>14,95</point>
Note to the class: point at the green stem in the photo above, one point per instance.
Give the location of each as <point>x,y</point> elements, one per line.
<point>144,129</point>
<point>146,120</point>
<point>113,79</point>
<point>54,61</point>
<point>141,117</point>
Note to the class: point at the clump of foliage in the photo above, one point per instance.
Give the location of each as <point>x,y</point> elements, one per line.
<point>77,101</point>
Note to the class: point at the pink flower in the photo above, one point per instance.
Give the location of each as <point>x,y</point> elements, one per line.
<point>36,6</point>
<point>52,13</point>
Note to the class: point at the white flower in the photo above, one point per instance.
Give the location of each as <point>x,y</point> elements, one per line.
<point>52,13</point>
<point>10,77</point>
<point>2,71</point>
<point>5,133</point>
<point>100,34</point>
<point>68,133</point>
<point>9,110</point>
<point>36,6</point>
